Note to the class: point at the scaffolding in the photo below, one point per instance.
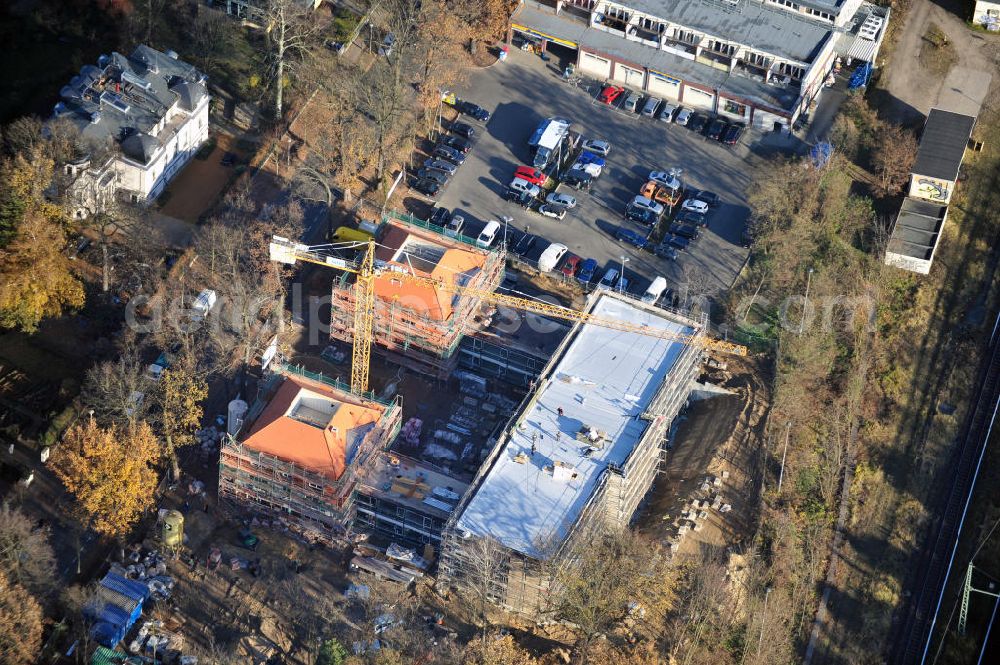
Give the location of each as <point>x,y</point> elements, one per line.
<point>405,336</point>
<point>262,482</point>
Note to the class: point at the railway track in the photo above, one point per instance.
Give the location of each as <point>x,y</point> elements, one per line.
<point>915,628</point>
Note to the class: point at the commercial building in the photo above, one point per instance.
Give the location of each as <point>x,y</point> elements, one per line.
<point>152,105</point>
<point>762,63</point>
<point>302,450</point>
<point>417,324</point>
<point>581,451</point>
<point>921,218</point>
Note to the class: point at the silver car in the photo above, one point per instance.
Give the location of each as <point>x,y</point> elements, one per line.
<point>683,117</point>
<point>632,102</point>
<point>597,146</point>
<point>561,199</point>
<point>441,165</point>
<point>667,112</point>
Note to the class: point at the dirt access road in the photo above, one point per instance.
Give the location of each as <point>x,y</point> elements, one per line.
<point>912,91</point>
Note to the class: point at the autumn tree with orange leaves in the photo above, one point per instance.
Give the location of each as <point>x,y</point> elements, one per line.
<point>110,474</point>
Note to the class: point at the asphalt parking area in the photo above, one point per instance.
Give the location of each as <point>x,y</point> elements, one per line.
<point>523,91</point>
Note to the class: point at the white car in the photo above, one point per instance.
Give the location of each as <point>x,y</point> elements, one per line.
<point>632,102</point>
<point>683,117</point>
<point>550,257</point>
<point>597,146</point>
<point>554,211</point>
<point>643,203</point>
<point>667,112</point>
<point>665,179</point>
<point>591,169</point>
<point>524,187</point>
<point>488,234</point>
<point>694,205</point>
<point>561,199</point>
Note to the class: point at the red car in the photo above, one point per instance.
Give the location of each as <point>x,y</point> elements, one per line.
<point>571,266</point>
<point>534,176</point>
<point>610,94</point>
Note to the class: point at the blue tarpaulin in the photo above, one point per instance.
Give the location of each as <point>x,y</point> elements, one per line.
<point>110,624</point>
<point>859,78</point>
<point>126,587</point>
<point>820,154</point>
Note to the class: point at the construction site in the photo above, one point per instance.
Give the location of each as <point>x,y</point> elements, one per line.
<point>417,324</point>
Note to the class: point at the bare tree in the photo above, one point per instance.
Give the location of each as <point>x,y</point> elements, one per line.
<point>111,387</point>
<point>293,35</point>
<point>484,560</point>
<point>892,157</point>
<point>26,556</point>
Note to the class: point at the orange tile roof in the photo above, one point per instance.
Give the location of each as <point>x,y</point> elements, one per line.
<point>319,449</point>
<point>458,259</point>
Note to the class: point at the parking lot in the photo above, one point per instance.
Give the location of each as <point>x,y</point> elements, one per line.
<point>525,90</point>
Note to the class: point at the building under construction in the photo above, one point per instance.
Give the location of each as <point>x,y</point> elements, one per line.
<point>581,451</point>
<point>416,324</point>
<point>302,450</point>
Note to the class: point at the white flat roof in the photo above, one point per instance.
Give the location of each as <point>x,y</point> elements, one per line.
<point>604,379</point>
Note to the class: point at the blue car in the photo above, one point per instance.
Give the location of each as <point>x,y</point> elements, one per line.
<point>587,270</point>
<point>631,237</point>
<point>587,157</point>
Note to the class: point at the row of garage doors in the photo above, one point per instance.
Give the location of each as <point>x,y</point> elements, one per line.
<point>658,84</point>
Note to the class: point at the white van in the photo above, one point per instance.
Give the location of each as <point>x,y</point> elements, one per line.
<point>650,107</point>
<point>550,257</point>
<point>489,233</point>
<point>655,290</point>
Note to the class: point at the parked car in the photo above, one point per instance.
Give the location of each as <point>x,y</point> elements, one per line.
<point>655,290</point>
<point>578,179</point>
<point>454,226</point>
<point>668,112</point>
<point>440,217</point>
<point>425,187</point>
<point>554,211</point>
<point>648,204</point>
<point>550,257</point>
<point>489,233</point>
<point>690,217</point>
<point>587,157</point>
<point>597,146</point>
<point>697,122</point>
<point>715,129</point>
<point>473,110</point>
<point>659,193</point>
<point>632,102</point>
<point>733,133</point>
<point>665,179</point>
<point>641,215</point>
<point>610,279</point>
<point>711,198</point>
<point>610,94</point>
<point>688,231</point>
<point>631,237</point>
<point>457,143</point>
<point>561,199</point>
<point>521,185</point>
<point>431,174</point>
<point>522,199</point>
<point>452,155</point>
<point>651,106</point>
<point>676,242</point>
<point>694,205</point>
<point>586,272</point>
<point>463,129</point>
<point>570,266</point>
<point>441,165</point>
<point>534,176</point>
<point>683,116</point>
<point>665,252</point>
<point>524,244</point>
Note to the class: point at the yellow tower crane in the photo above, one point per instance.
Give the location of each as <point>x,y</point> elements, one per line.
<point>284,250</point>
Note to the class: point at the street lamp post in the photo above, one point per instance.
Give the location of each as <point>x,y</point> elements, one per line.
<point>805,303</point>
<point>621,277</point>
<point>506,220</point>
<point>781,474</point>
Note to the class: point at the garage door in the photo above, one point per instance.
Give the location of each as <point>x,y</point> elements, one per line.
<point>634,78</point>
<point>666,86</point>
<point>699,99</point>
<point>592,64</point>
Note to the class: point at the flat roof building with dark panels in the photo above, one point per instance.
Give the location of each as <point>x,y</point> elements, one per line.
<point>942,144</point>
<point>915,235</point>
